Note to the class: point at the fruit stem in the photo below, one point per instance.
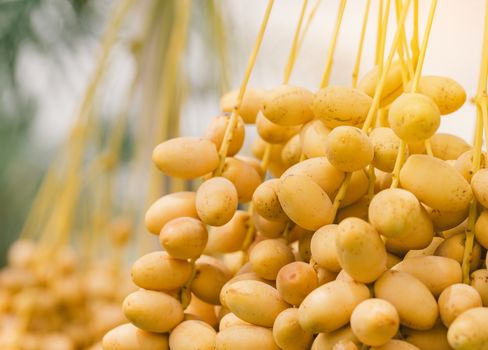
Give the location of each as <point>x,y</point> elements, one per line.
<point>428,148</point>
<point>311,15</point>
<point>355,71</point>
<point>418,71</point>
<point>398,164</point>
<point>381,82</point>
<point>407,70</point>
<point>378,32</point>
<point>371,180</point>
<point>415,35</point>
<point>286,232</point>
<point>185,294</point>
<point>341,193</point>
<point>332,45</point>
<point>481,116</point>
<point>229,131</point>
<point>293,51</point>
<point>384,27</point>
<point>425,41</point>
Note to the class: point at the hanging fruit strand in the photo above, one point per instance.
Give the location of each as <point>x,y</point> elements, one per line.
<point>481,116</point>
<point>416,79</point>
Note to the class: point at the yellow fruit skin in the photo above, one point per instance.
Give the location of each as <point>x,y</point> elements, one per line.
<point>375,321</point>
<point>453,247</point>
<point>385,144</point>
<point>323,246</point>
<point>184,238</point>
<point>295,281</point>
<point>294,191</point>
<point>312,136</point>
<point>446,220</point>
<point>216,201</point>
<point>250,106</point>
<point>211,275</point>
<point>349,148</point>
<point>159,271</point>
<point>228,238</point>
<point>479,280</point>
<point>435,183</point>
<point>395,213</point>
<point>456,299</point>
<point>321,172</point>
<point>129,337</point>
<point>192,334</point>
<point>269,256</point>
<point>244,177</point>
<point>414,117</point>
<point>393,82</point>
<point>254,302</point>
<point>288,105</point>
<point>432,339</point>
<point>447,94</point>
<point>436,272</point>
<point>408,294</point>
<point>337,298</point>
<point>274,133</point>
<point>479,184</point>
<point>396,344</point>
<point>358,187</point>
<point>287,332</point>
<point>246,338</point>
<point>292,151</point>
<point>265,201</point>
<point>169,207</point>
<point>463,164</point>
<point>144,308</point>
<point>481,229</point>
<point>469,331</point>
<point>186,157</point>
<point>230,320</point>
<point>360,250</point>
<point>216,130</point>
<point>448,146</point>
<point>327,341</point>
<point>340,105</point>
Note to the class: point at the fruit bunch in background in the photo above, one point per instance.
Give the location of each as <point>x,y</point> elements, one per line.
<point>356,225</point>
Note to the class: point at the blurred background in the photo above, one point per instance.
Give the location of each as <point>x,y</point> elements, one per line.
<point>49,50</point>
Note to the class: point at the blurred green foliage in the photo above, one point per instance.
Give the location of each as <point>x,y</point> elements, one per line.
<point>51,27</point>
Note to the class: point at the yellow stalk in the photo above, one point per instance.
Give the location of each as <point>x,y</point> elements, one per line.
<point>398,165</point>
<point>168,82</point>
<point>49,188</point>
<point>416,79</point>
<point>402,47</point>
<point>425,41</point>
<point>235,111</point>
<point>355,71</point>
<point>378,32</point>
<point>267,150</point>
<point>384,28</point>
<point>376,99</point>
<point>415,36</point>
<point>332,46</point>
<point>293,51</point>
<point>381,82</point>
<point>481,116</point>
<point>308,23</point>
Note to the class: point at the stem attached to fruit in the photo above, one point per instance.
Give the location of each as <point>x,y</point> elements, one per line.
<point>332,46</point>
<point>355,71</point>
<point>229,131</point>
